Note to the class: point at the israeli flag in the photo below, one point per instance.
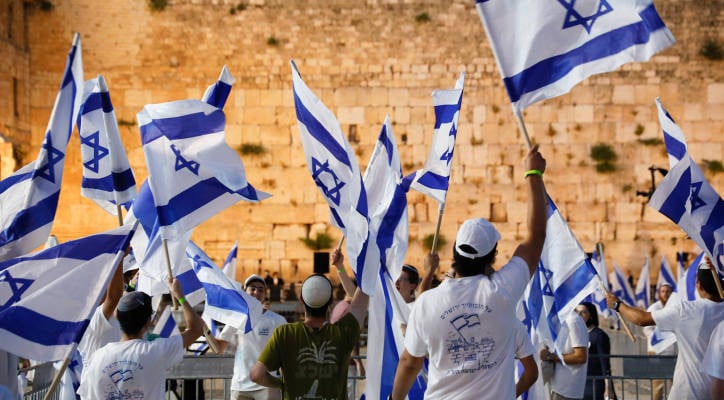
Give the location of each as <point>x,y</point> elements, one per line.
<point>217,94</point>
<point>674,138</point>
<point>643,288</point>
<point>598,297</point>
<point>686,197</point>
<point>659,341</point>
<point>165,324</point>
<point>224,301</point>
<point>230,263</point>
<point>48,297</point>
<point>666,276</point>
<point>333,165</point>
<point>686,290</point>
<point>544,48</point>
<point>621,287</point>
<point>107,175</point>
<point>565,276</point>
<point>434,177</point>
<point>29,197</point>
<point>193,173</point>
<point>387,200</point>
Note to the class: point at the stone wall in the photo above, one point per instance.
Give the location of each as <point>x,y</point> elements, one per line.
<point>366,59</point>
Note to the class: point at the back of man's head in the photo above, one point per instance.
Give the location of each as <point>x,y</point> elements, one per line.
<point>134,311</point>
<point>706,280</point>
<point>475,247</point>
<point>316,295</point>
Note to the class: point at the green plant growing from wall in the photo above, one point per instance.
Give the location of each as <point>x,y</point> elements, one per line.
<point>272,41</point>
<point>423,17</point>
<point>604,156</point>
<point>712,50</point>
<point>252,149</point>
<point>427,242</point>
<point>157,5</point>
<point>639,130</point>
<point>321,241</point>
<point>714,166</point>
<point>650,141</point>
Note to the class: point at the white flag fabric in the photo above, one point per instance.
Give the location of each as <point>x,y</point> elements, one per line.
<point>674,138</point>
<point>48,297</point>
<point>544,48</point>
<point>193,173</point>
<point>621,287</point>
<point>434,177</point>
<point>107,175</point>
<point>643,288</point>
<point>333,165</point>
<point>29,197</point>
<point>230,263</point>
<point>666,276</point>
<point>387,201</point>
<point>218,93</point>
<point>224,301</point>
<point>565,276</point>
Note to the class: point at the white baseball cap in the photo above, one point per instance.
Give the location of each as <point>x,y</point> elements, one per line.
<point>479,234</point>
<point>316,291</point>
<point>129,263</point>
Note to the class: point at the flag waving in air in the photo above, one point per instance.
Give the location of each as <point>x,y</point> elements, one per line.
<point>218,93</point>
<point>643,288</point>
<point>686,197</point>
<point>230,263</point>
<point>544,48</point>
<point>107,175</point>
<point>666,275</point>
<point>621,287</point>
<point>434,177</point>
<point>47,298</point>
<point>333,165</point>
<point>193,173</point>
<point>29,197</point>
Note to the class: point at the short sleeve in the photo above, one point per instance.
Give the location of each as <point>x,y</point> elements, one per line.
<point>667,318</point>
<point>415,343</point>
<point>578,332</point>
<point>514,276</point>
<point>228,334</point>
<point>271,356</point>
<point>523,345</point>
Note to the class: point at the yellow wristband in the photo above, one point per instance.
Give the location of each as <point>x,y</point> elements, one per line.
<point>181,300</point>
<point>533,172</point>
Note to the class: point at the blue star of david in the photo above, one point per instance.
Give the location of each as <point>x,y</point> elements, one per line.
<point>54,156</point>
<point>547,275</point>
<point>200,263</point>
<point>573,17</point>
<point>18,286</point>
<point>99,152</point>
<point>696,201</point>
<point>332,193</point>
<point>182,163</point>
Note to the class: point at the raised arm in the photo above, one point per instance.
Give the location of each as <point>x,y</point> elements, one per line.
<point>532,246</point>
<point>114,291</point>
<point>431,263</point>
<point>194,323</point>
<point>338,262</point>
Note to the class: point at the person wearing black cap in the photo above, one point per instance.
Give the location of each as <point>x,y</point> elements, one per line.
<point>692,322</point>
<point>249,345</point>
<point>135,367</point>
<point>466,326</point>
<point>313,355</point>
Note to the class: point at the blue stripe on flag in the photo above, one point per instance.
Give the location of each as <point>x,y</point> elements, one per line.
<point>319,132</point>
<point>389,355</point>
<point>219,94</point>
<point>119,181</point>
<point>195,197</point>
<point>445,113</point>
<point>189,281</point>
<point>434,181</point>
<point>392,217</point>
<point>184,126</point>
<point>46,331</point>
<point>674,206</point>
<point>554,68</point>
<point>11,180</point>
<point>30,219</point>
<point>228,299</point>
<point>387,143</point>
<point>673,146</point>
<point>144,208</point>
<point>98,100</point>
<point>715,222</point>
<point>167,328</point>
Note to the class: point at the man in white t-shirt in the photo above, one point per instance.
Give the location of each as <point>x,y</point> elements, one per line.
<point>654,336</point>
<point>569,374</point>
<point>524,353</point>
<point>249,346</point>
<point>467,325</point>
<point>692,322</point>
<point>135,367</point>
<point>714,361</point>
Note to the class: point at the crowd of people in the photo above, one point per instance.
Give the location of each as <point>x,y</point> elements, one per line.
<point>464,328</point>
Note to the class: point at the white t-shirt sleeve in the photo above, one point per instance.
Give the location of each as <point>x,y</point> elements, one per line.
<point>170,350</point>
<point>514,276</point>
<point>228,334</point>
<point>669,317</point>
<point>578,332</point>
<point>713,364</point>
<point>415,343</point>
<point>523,345</point>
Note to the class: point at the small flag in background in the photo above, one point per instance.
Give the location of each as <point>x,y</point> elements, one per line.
<point>686,197</point>
<point>224,302</point>
<point>230,263</point>
<point>47,298</point>
<point>193,173</point>
<point>643,288</point>
<point>29,197</point>
<point>107,175</point>
<point>621,287</point>
<point>544,48</point>
<point>686,289</point>
<point>434,177</point>
<point>666,276</point>
<point>218,93</point>
<point>333,165</point>
<point>598,297</point>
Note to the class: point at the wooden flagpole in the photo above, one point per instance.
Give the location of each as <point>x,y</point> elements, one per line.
<point>59,374</point>
<point>120,214</point>
<point>440,212</point>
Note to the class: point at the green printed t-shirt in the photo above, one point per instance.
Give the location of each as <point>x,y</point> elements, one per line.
<point>314,363</point>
